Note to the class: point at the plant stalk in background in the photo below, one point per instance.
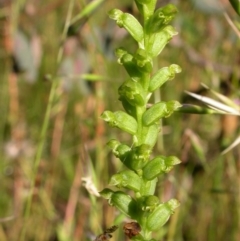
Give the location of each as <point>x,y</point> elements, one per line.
<point>141,170</point>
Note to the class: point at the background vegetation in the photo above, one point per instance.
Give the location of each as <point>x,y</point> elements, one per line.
<point>62,163</point>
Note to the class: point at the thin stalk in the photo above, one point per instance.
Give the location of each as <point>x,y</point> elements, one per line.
<point>44,128</point>
<point>65,29</point>
<point>140,112</point>
<point>38,155</point>
<point>160,142</point>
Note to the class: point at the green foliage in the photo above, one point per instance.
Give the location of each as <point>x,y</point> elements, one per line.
<point>142,173</point>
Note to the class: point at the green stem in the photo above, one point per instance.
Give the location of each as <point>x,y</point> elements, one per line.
<point>140,111</point>
<point>145,81</point>
<point>44,128</point>
<point>38,155</point>
<point>146,234</point>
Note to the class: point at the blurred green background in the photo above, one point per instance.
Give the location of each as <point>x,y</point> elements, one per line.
<point>54,85</point>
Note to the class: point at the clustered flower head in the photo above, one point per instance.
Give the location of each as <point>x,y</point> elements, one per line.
<point>142,123</point>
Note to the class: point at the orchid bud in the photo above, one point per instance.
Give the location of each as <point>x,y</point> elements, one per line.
<point>148,187</point>
<point>170,161</point>
<point>161,18</point>
<point>118,149</point>
<point>161,214</point>
<point>137,158</point>
<point>159,110</point>
<point>133,70</point>
<point>150,137</point>
<point>129,22</point>
<point>130,109</point>
<point>159,165</point>
<point>121,120</point>
<point>154,113</point>
<point>149,203</point>
<point>172,106</point>
<point>106,193</point>
<point>119,52</point>
<point>154,168</point>
<point>122,151</point>
<point>163,75</point>
<point>115,14</point>
<point>142,60</point>
<point>146,7</point>
<point>125,203</point>
<point>159,40</point>
<point>133,92</point>
<point>127,179</point>
<point>132,25</point>
<point>113,144</point>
